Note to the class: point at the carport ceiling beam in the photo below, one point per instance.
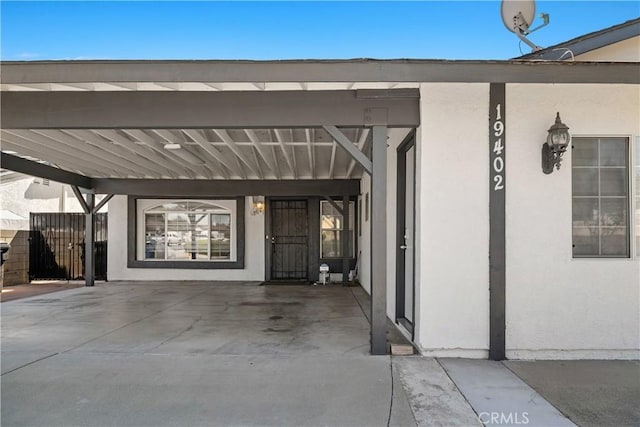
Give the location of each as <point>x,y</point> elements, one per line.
<point>29,167</point>
<point>290,163</point>
<point>201,110</point>
<point>231,143</point>
<point>230,187</point>
<point>350,148</point>
<point>216,154</point>
<point>260,147</point>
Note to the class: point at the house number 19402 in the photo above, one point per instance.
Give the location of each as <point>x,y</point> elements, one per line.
<point>498,148</point>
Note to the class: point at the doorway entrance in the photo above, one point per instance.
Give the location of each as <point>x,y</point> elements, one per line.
<point>289,239</point>
<point>405,277</point>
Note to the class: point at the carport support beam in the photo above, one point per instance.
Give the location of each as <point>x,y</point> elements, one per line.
<point>345,240</point>
<point>379,236</point>
<point>89,264</point>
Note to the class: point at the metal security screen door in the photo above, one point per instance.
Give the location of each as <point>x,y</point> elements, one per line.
<point>56,246</point>
<point>289,239</point>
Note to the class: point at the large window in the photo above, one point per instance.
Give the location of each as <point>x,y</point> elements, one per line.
<point>600,190</point>
<point>331,222</point>
<point>189,230</point>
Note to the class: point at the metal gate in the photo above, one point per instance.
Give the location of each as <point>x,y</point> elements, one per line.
<point>56,246</point>
<point>289,239</point>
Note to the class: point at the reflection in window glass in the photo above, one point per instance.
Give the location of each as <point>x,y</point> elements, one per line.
<point>600,199</point>
<point>220,236</point>
<point>154,236</point>
<point>331,222</point>
<point>175,233</point>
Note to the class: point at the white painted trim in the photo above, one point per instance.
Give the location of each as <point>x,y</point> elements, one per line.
<point>466,353</point>
<point>630,199</point>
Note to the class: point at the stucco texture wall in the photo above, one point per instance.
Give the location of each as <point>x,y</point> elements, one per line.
<point>558,307</point>
<point>117,255</point>
<point>452,267</point>
<point>624,51</point>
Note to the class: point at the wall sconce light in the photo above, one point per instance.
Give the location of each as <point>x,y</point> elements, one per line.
<point>257,206</point>
<point>557,142</point>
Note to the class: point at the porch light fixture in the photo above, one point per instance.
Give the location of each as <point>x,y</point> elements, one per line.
<point>257,207</point>
<point>558,140</point>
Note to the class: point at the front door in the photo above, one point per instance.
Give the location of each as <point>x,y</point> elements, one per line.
<point>289,239</point>
<point>405,283</point>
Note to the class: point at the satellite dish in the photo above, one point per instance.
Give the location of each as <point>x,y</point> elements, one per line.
<point>517,15</point>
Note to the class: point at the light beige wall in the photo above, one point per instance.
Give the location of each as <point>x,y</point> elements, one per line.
<point>624,51</point>
<point>16,268</point>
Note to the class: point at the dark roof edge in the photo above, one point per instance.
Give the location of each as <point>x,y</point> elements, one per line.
<point>588,42</point>
<point>518,71</point>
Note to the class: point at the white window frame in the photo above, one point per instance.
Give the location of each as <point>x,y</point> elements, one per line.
<point>352,210</point>
<point>634,189</point>
<point>631,196</point>
<point>145,206</point>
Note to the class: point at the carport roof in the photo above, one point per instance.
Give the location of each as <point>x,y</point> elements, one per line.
<point>117,119</point>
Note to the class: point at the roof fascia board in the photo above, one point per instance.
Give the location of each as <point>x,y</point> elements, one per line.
<point>318,71</point>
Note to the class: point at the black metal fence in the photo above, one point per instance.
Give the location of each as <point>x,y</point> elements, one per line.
<point>56,246</point>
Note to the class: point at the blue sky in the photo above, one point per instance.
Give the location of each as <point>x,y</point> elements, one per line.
<point>286,30</point>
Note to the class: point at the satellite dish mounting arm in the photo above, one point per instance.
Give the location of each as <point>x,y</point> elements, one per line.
<point>517,16</point>
<point>521,28</point>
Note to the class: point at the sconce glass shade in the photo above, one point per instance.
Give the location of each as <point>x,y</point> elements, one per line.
<point>558,137</point>
<point>257,205</point>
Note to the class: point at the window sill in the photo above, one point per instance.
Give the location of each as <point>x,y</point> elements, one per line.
<point>188,265</point>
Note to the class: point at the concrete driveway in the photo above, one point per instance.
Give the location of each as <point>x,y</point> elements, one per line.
<point>194,354</point>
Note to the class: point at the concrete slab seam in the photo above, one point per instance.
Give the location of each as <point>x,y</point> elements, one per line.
<point>391,400</point>
<point>457,388</point>
<point>30,363</point>
<point>133,323</point>
<point>536,390</point>
<point>360,305</point>
<point>413,414</point>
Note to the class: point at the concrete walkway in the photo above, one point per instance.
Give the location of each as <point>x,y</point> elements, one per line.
<point>499,397</point>
<point>143,354</point>
<point>591,393</point>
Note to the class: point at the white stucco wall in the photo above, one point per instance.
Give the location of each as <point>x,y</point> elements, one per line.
<point>117,251</point>
<point>453,221</point>
<point>559,307</point>
<point>623,51</point>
